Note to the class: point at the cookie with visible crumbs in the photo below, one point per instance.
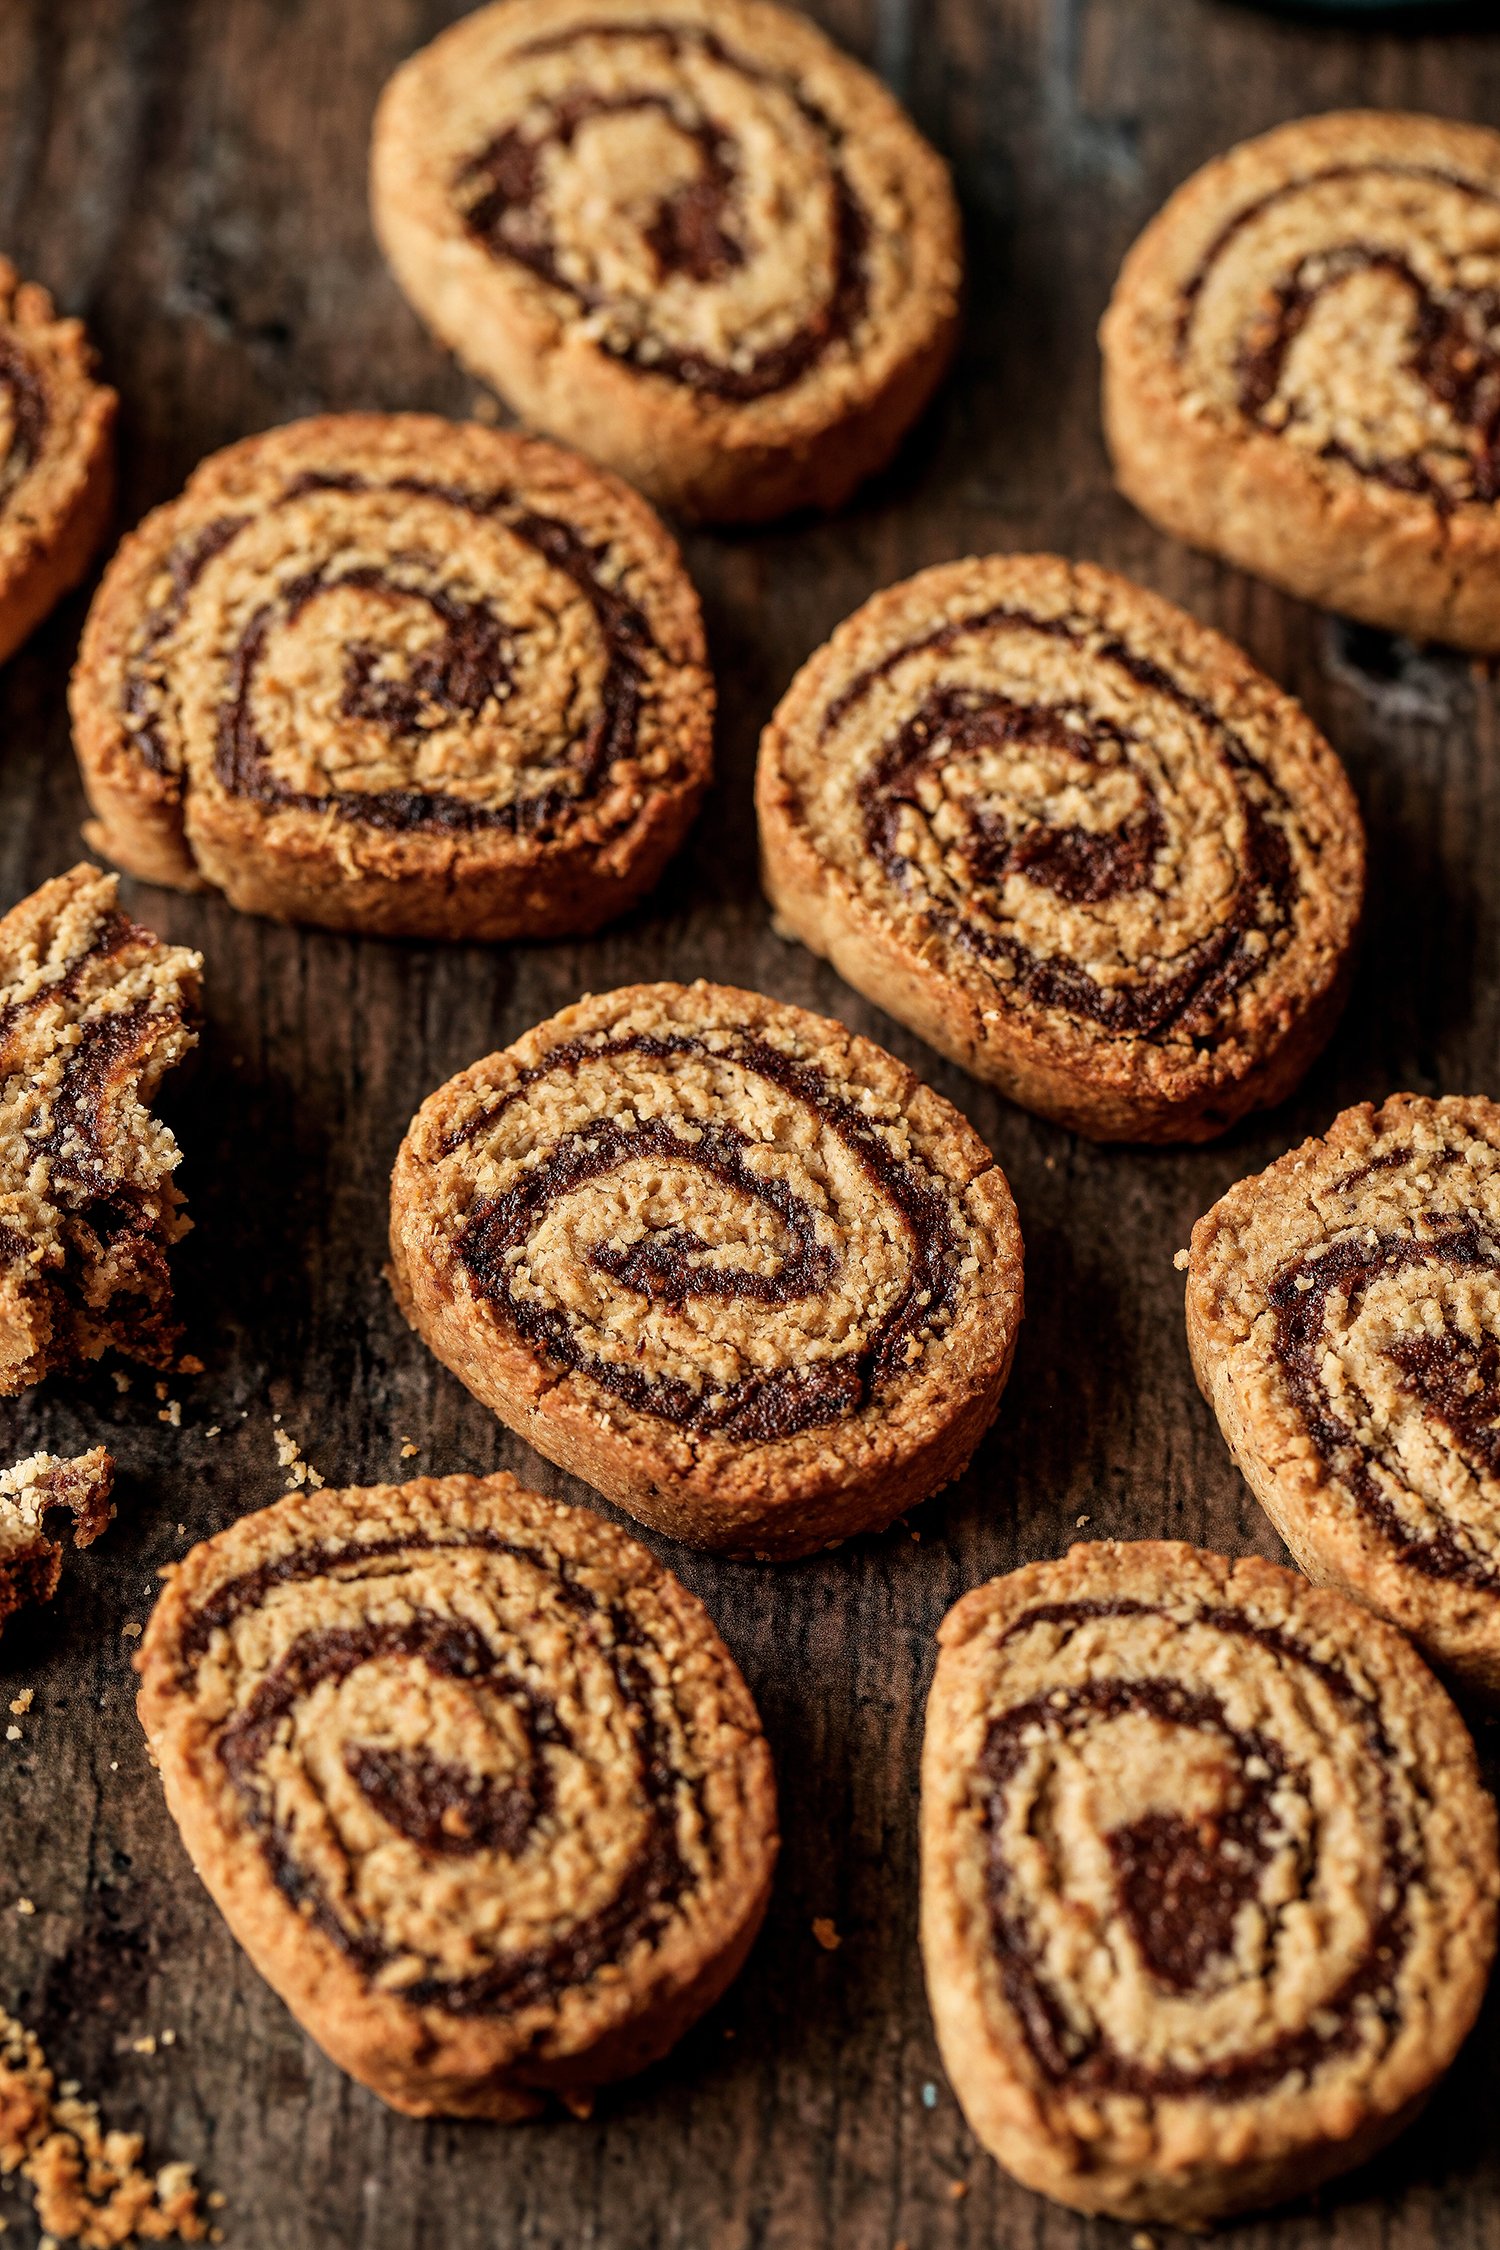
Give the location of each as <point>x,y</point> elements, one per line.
<point>472,1779</point>
<point>1209,1879</point>
<point>31,1562</point>
<point>1302,372</point>
<point>385,672</point>
<point>736,1268</point>
<point>94,1011</point>
<point>1073,838</point>
<point>688,236</point>
<point>1343,1313</point>
<point>57,462</point>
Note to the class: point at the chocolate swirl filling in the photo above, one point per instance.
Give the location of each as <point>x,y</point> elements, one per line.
<point>699,231</point>
<point>1453,342</point>
<point>1454,1379</point>
<point>466,669</point>
<point>445,1811</point>
<point>22,386</point>
<point>1180,1884</point>
<point>956,726</point>
<point>671,1265</point>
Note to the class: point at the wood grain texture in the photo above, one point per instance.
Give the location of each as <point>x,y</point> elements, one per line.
<point>189,174</point>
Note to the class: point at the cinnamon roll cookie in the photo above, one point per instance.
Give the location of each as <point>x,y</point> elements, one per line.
<point>471,1778</point>
<point>30,1561</point>
<point>386,672</point>
<point>1071,837</point>
<point>1343,1312</point>
<point>1208,1879</point>
<point>56,456</point>
<point>739,1270</point>
<point>94,1011</point>
<point>688,236</point>
<point>1302,368</point>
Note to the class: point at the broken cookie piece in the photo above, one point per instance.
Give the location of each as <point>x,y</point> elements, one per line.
<point>31,1562</point>
<point>94,1010</point>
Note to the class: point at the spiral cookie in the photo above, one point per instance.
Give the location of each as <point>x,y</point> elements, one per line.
<point>56,456</point>
<point>1071,837</point>
<point>94,1011</point>
<point>386,672</point>
<point>1208,1879</point>
<point>472,1779</point>
<point>1302,368</point>
<point>1343,1312</point>
<point>31,1562</point>
<point>733,1266</point>
<point>692,238</point>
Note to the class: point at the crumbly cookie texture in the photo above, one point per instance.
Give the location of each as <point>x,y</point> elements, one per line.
<point>56,456</point>
<point>94,1011</point>
<point>691,238</point>
<point>736,1268</point>
<point>86,2177</point>
<point>1073,838</point>
<point>1301,370</point>
<point>386,672</point>
<point>30,1562</point>
<point>472,1779</point>
<point>1343,1312</point>
<point>1209,1879</point>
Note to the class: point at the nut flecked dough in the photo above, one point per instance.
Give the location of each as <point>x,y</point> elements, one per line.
<point>57,461</point>
<point>736,1268</point>
<point>471,1778</point>
<point>1343,1312</point>
<point>1071,837</point>
<point>687,236</point>
<point>94,1011</point>
<point>1302,368</point>
<point>1209,1879</point>
<point>385,672</point>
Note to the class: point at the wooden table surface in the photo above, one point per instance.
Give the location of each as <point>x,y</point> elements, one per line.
<point>189,174</point>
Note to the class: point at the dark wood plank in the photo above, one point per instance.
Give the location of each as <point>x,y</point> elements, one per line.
<point>189,174</point>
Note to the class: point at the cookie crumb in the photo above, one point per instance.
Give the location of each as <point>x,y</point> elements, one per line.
<point>87,2181</point>
<point>22,1702</point>
<point>299,1471</point>
<point>130,1631</point>
<point>121,1380</point>
<point>212,1430</point>
<point>145,2046</point>
<point>1081,1521</point>
<point>1143,2242</point>
<point>826,1933</point>
<point>190,1364</point>
<point>25,1906</point>
<point>581,2105</point>
<point>12,1734</point>
<point>408,1450</point>
<point>171,1413</point>
<point>1180,1260</point>
<point>958,2189</point>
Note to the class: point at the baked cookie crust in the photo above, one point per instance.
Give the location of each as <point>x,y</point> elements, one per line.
<point>386,672</point>
<point>691,238</point>
<point>1209,1879</point>
<point>471,1778</point>
<point>94,1011</point>
<point>737,1269</point>
<point>1343,1313</point>
<point>1301,372</point>
<point>1071,837</point>
<point>57,464</point>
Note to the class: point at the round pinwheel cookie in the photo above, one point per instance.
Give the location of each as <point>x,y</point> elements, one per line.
<point>690,237</point>
<point>1302,368</point>
<point>385,672</point>
<point>1208,1879</point>
<point>1071,837</point>
<point>739,1270</point>
<point>56,456</point>
<point>1343,1312</point>
<point>471,1778</point>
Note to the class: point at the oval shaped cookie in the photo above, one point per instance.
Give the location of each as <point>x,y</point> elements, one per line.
<point>1343,1312</point>
<point>736,1268</point>
<point>471,1778</point>
<point>1070,836</point>
<point>57,462</point>
<point>1208,1879</point>
<point>94,1011</point>
<point>692,238</point>
<point>386,672</point>
<point>1301,368</point>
